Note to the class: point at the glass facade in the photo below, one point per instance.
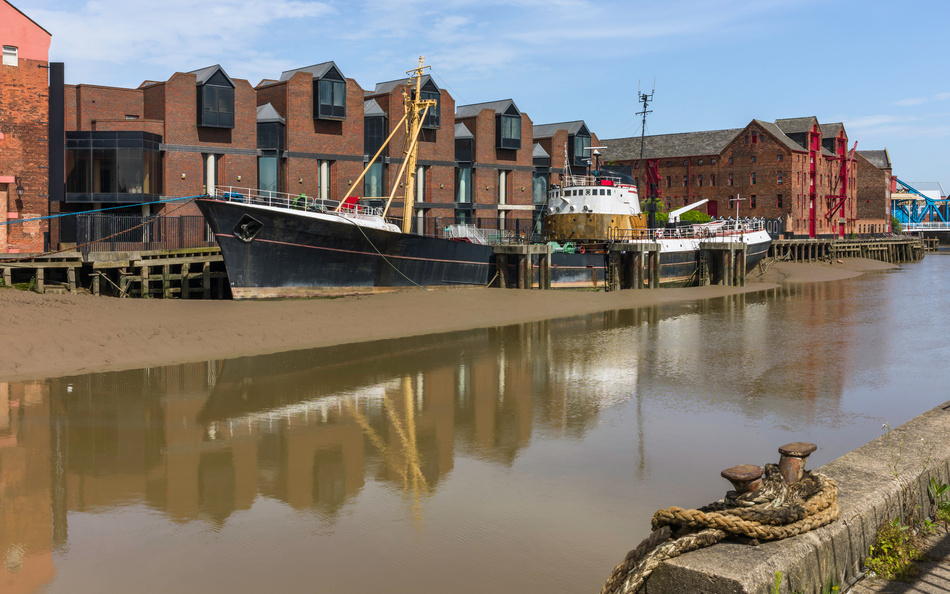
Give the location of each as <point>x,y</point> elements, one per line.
<point>114,167</point>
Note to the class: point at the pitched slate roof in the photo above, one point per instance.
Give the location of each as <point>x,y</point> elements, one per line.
<point>267,113</point>
<point>661,146</point>
<point>879,159</point>
<point>372,109</point>
<point>549,130</point>
<point>796,125</point>
<point>831,130</point>
<point>779,135</point>
<point>462,132</point>
<point>202,75</point>
<point>387,87</point>
<point>317,70</point>
<point>467,111</point>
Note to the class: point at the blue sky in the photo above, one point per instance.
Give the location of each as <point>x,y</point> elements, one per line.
<point>879,67</point>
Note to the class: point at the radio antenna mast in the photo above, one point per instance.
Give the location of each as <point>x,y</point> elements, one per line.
<point>645,100</point>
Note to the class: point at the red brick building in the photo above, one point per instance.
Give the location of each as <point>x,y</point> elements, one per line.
<point>796,170</point>
<point>502,162</point>
<point>437,199</point>
<point>874,186</point>
<point>180,137</point>
<point>24,131</point>
<point>322,112</point>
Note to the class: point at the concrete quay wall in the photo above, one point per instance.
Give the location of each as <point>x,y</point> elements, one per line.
<point>881,480</point>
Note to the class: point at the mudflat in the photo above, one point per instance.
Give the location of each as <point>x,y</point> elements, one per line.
<point>52,335</point>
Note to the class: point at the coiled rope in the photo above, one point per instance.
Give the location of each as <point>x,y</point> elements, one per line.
<point>773,512</point>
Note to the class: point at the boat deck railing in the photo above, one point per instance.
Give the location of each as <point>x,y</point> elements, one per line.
<point>713,230</point>
<point>293,201</point>
<point>591,180</point>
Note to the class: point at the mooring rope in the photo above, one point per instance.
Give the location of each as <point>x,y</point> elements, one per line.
<point>773,512</point>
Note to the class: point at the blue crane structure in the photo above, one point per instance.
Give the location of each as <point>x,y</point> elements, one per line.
<point>910,210</point>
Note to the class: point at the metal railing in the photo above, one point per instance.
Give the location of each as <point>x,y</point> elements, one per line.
<point>126,233</point>
<point>716,229</point>
<point>294,201</point>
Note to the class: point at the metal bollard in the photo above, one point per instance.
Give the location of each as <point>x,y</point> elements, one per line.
<point>792,462</point>
<point>745,478</point>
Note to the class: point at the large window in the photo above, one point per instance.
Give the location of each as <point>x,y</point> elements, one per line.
<point>216,105</point>
<point>580,150</point>
<point>433,116</point>
<point>115,167</point>
<point>374,135</point>
<point>330,97</point>
<point>508,131</point>
<point>267,177</point>
<point>539,193</point>
<point>373,186</point>
<point>463,184</point>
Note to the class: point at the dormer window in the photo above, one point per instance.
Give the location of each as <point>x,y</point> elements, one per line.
<point>433,116</point>
<point>508,129</point>
<point>579,147</point>
<point>216,101</point>
<point>329,96</point>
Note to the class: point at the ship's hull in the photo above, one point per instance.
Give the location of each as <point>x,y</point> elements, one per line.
<point>679,264</point>
<point>277,252</point>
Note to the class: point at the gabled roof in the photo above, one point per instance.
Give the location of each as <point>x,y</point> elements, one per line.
<point>317,70</point>
<point>505,106</point>
<point>267,113</point>
<point>879,159</point>
<point>549,130</point>
<point>387,87</point>
<point>462,132</point>
<point>796,125</point>
<point>372,109</point>
<point>28,18</point>
<point>831,130</point>
<point>662,146</point>
<point>203,75</point>
<point>539,153</point>
<point>775,131</point>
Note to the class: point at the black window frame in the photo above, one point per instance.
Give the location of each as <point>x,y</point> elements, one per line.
<point>512,123</point>
<point>328,90</point>
<point>215,99</point>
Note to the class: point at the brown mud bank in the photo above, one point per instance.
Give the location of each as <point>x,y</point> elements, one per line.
<point>49,335</point>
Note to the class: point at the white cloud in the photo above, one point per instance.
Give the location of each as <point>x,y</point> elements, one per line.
<point>914,101</point>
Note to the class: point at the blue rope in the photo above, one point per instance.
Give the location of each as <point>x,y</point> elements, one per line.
<point>70,214</point>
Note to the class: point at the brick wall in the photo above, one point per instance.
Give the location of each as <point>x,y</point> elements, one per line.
<point>873,195</point>
<point>777,171</point>
<point>24,156</point>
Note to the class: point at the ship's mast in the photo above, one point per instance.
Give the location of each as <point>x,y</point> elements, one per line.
<point>416,109</point>
<point>651,191</point>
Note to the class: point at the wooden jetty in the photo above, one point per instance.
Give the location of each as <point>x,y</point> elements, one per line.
<point>890,249</point>
<point>183,273</point>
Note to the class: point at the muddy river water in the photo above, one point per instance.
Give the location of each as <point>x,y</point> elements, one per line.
<point>518,459</point>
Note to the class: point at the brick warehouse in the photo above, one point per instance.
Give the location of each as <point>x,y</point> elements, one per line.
<point>24,116</point>
<point>313,130</point>
<point>793,169</point>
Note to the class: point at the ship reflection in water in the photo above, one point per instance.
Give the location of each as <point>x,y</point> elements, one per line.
<point>526,458</point>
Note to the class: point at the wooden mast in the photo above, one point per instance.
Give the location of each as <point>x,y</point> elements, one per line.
<point>416,109</point>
